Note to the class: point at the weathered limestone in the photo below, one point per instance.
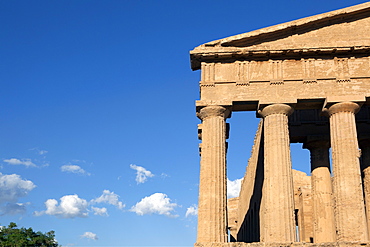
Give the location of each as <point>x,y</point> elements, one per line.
<point>323,208</point>
<point>232,210</point>
<point>305,226</point>
<point>248,214</point>
<point>349,212</point>
<point>278,198</point>
<point>365,168</point>
<point>303,206</point>
<point>212,219</point>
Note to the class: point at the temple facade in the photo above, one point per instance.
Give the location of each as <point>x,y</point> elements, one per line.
<point>308,81</point>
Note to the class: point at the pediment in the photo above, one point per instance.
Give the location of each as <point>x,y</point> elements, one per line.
<point>344,28</point>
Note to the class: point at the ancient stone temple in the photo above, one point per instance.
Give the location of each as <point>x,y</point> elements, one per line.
<point>309,82</point>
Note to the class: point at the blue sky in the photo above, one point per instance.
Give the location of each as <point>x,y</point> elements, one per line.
<point>98,133</point>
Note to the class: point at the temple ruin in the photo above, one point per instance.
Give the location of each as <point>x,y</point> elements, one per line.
<point>308,81</point>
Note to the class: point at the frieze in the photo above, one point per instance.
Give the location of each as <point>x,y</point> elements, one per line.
<point>308,71</point>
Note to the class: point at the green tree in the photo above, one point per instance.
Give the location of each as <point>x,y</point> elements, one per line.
<point>11,236</point>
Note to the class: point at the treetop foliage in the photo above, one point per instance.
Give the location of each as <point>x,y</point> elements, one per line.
<point>11,236</point>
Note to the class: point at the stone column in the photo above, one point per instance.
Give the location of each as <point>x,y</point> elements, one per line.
<point>212,217</point>
<point>365,168</point>
<point>347,186</point>
<point>278,197</point>
<point>322,192</point>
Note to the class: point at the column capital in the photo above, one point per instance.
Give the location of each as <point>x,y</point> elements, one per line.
<point>343,107</point>
<point>213,111</point>
<point>315,144</point>
<point>276,109</point>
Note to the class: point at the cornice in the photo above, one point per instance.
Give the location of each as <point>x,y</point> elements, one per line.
<point>218,54</point>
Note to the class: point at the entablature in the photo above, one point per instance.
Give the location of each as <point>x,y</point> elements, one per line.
<point>288,81</point>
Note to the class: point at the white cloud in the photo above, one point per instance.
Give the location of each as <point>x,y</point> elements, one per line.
<point>157,203</point>
<point>192,210</point>
<point>100,211</point>
<point>110,198</point>
<point>71,206</point>
<point>89,235</point>
<point>12,187</point>
<point>24,162</point>
<point>142,174</point>
<point>233,187</point>
<point>74,169</point>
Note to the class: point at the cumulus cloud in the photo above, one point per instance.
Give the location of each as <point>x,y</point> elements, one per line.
<point>12,187</point>
<point>142,174</point>
<point>233,187</point>
<point>109,198</point>
<point>73,169</point>
<point>100,211</point>
<point>89,235</point>
<point>157,203</point>
<point>71,206</point>
<point>24,162</point>
<point>192,210</point>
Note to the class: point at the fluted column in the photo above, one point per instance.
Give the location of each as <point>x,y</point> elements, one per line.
<point>212,218</point>
<point>278,198</point>
<point>322,192</point>
<point>347,186</point>
<point>365,167</point>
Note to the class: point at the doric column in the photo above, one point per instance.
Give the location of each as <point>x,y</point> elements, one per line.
<point>212,218</point>
<point>278,197</point>
<point>347,186</point>
<point>322,191</point>
<point>365,168</point>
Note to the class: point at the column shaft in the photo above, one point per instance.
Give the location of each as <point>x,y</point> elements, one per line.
<point>322,192</point>
<point>347,186</point>
<point>212,218</point>
<point>278,198</point>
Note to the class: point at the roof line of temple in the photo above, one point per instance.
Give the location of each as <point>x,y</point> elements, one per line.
<point>234,52</point>
<point>312,20</point>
